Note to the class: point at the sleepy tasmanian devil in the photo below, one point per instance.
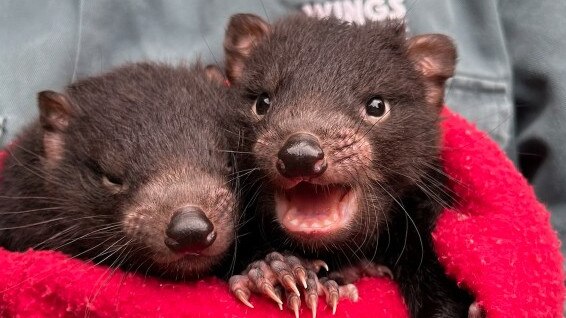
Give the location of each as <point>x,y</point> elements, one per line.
<point>131,168</point>
<point>345,143</point>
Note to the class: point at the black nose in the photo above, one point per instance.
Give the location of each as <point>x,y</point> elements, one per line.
<point>301,156</point>
<point>189,231</point>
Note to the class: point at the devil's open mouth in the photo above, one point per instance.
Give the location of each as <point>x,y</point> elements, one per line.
<point>315,209</point>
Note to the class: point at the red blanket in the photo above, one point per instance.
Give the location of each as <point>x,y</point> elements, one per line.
<point>498,242</point>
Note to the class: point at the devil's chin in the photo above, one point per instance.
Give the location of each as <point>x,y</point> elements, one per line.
<point>313,213</point>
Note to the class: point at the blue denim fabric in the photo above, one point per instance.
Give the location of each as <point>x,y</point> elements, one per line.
<point>510,78</point>
<point>37,52</point>
<point>481,90</point>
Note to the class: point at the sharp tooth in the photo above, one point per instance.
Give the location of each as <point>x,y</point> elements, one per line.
<point>295,222</point>
<point>315,224</point>
<point>304,224</point>
<point>327,222</point>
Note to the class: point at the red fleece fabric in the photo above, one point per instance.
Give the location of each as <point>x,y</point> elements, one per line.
<point>497,241</point>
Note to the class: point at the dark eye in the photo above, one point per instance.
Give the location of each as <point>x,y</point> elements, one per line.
<point>377,107</point>
<point>261,104</point>
<point>114,184</point>
<point>111,180</point>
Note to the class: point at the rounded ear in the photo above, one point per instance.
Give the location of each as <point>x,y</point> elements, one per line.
<point>434,56</point>
<point>214,74</point>
<point>244,32</point>
<point>54,114</point>
<point>54,111</point>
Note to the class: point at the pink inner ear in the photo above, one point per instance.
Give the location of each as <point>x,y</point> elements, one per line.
<point>427,67</point>
<point>53,147</point>
<point>55,110</point>
<point>244,32</point>
<point>434,56</point>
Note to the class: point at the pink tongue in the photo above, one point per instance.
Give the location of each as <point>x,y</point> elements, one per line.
<point>311,209</point>
<point>313,202</point>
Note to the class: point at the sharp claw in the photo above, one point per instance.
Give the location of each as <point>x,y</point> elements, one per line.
<point>302,278</point>
<point>303,281</point>
<point>321,263</point>
<point>278,293</point>
<point>294,302</point>
<point>241,295</point>
<point>387,271</point>
<point>334,303</point>
<point>291,284</point>
<point>311,301</point>
<point>268,290</point>
<point>295,307</point>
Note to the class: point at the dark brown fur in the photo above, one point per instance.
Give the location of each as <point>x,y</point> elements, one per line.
<point>319,74</point>
<point>101,172</point>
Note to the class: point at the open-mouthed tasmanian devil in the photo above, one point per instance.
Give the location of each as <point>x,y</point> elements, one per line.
<point>345,141</point>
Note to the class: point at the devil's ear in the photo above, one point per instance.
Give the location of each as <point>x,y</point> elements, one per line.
<point>434,56</point>
<point>54,114</point>
<point>244,33</point>
<point>54,111</point>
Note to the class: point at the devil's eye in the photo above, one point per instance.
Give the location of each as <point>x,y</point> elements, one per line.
<point>377,107</point>
<point>261,104</point>
<point>114,184</point>
<point>111,180</point>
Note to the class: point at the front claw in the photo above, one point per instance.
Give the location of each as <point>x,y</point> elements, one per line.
<point>334,292</point>
<point>284,264</point>
<point>294,303</point>
<point>262,281</point>
<point>284,276</point>
<point>278,276</point>
<point>312,292</point>
<point>257,278</point>
<point>239,287</point>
